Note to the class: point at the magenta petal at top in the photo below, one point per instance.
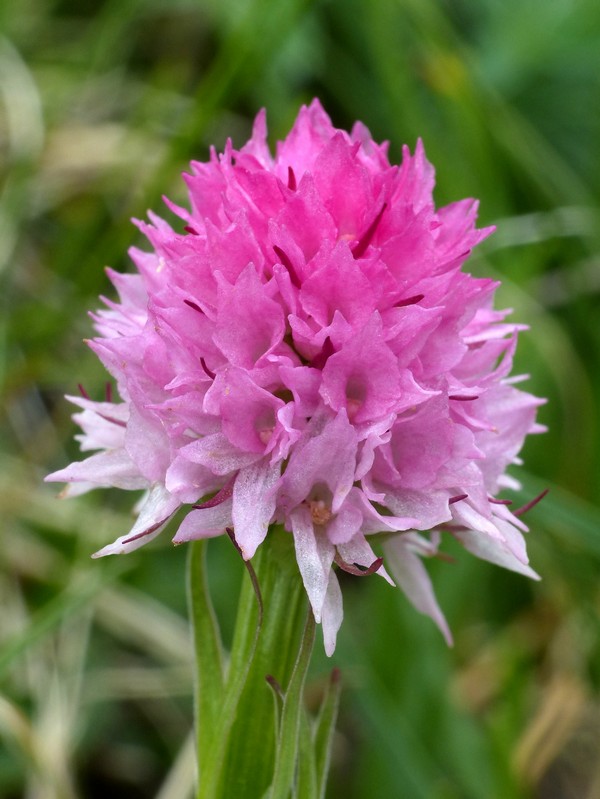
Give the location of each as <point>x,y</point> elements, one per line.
<point>304,345</point>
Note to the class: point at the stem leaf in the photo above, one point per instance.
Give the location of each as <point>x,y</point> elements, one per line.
<point>288,744</point>
<point>208,650</point>
<point>324,728</point>
<point>307,787</point>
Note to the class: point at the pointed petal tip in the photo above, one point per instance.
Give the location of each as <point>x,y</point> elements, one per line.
<point>102,553</point>
<point>56,477</point>
<point>529,572</point>
<point>248,551</point>
<point>445,630</point>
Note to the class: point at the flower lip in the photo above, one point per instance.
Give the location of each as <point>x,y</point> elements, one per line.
<point>319,512</point>
<point>319,503</point>
<point>356,390</point>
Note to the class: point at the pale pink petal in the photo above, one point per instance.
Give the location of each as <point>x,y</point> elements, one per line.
<point>102,423</point>
<point>496,550</point>
<point>254,503</point>
<point>429,508</point>
<point>154,514</point>
<point>332,614</point>
<point>410,574</point>
<point>345,524</point>
<point>315,555</point>
<point>326,455</point>
<point>147,444</point>
<point>359,551</point>
<point>205,523</point>
<point>363,377</point>
<point>464,513</point>
<point>110,468</point>
<point>189,481</point>
<point>76,490</point>
<point>371,520</point>
<point>99,432</point>
<point>248,412</point>
<point>218,454</point>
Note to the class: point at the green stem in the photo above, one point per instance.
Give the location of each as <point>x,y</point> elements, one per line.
<point>323,733</point>
<point>236,738</point>
<point>209,671</point>
<point>288,741</point>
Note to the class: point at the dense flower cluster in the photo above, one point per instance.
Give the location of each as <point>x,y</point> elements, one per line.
<point>307,349</point>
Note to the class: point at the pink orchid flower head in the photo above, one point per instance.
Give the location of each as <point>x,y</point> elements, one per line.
<point>305,348</point>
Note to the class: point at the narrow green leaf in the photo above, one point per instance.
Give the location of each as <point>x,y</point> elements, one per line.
<point>208,650</point>
<point>307,787</point>
<point>213,746</point>
<point>250,764</point>
<point>324,728</point>
<point>287,748</point>
<point>278,697</point>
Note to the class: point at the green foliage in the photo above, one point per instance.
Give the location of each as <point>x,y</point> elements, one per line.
<point>102,104</point>
<point>243,748</point>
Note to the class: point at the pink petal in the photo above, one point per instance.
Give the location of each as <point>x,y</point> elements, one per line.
<point>204,523</point>
<point>249,323</point>
<point>315,555</point>
<point>147,444</point>
<point>375,522</point>
<point>471,517</point>
<point>421,445</point>
<point>332,614</point>
<point>217,454</point>
<point>257,146</point>
<point>345,524</point>
<point>412,577</point>
<point>310,132</point>
<point>155,512</point>
<point>359,551</point>
<point>326,455</point>
<point>99,430</point>
<point>337,164</point>
<point>496,550</point>
<point>362,376</point>
<point>105,469</point>
<point>248,412</point>
<point>188,481</point>
<point>336,283</point>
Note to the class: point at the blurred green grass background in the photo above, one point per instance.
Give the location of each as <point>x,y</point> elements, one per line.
<point>102,104</point>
